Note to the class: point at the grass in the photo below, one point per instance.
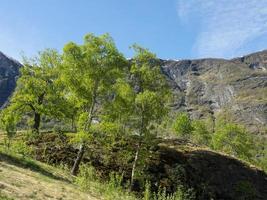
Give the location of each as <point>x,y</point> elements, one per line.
<point>23,178</point>
<point>110,190</point>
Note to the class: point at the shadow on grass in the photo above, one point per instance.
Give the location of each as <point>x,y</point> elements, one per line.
<point>29,164</point>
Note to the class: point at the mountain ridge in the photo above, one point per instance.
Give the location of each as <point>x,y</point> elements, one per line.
<point>9,72</point>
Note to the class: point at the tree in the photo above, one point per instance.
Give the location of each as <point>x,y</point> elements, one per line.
<point>38,91</point>
<point>89,71</point>
<point>151,95</point>
<point>8,121</point>
<point>233,139</point>
<point>200,133</point>
<point>183,125</point>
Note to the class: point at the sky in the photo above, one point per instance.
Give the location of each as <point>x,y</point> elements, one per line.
<point>173,29</point>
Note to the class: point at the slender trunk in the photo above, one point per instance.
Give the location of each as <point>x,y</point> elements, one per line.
<point>37,121</point>
<point>134,165</point>
<point>73,125</point>
<point>136,157</point>
<point>78,160</point>
<point>87,126</point>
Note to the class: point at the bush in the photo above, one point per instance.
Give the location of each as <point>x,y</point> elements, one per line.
<point>233,139</point>
<point>182,125</point>
<point>20,147</point>
<point>201,134</point>
<point>86,176</point>
<point>110,190</point>
<point>180,194</point>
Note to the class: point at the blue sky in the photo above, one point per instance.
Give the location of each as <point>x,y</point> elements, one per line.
<point>175,29</point>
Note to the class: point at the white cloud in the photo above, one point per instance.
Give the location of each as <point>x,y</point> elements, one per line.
<point>225,25</point>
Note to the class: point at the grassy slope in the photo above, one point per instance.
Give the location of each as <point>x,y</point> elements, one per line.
<point>27,179</point>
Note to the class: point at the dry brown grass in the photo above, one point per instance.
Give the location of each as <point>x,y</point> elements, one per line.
<point>19,182</point>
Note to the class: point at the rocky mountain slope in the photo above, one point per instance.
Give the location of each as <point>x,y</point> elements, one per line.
<point>9,71</point>
<point>233,88</point>
<point>236,88</point>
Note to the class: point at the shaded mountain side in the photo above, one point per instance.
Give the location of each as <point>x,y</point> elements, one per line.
<point>170,163</point>
<point>9,71</point>
<point>233,88</point>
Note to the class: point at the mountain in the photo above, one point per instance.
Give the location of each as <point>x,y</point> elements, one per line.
<point>234,89</point>
<point>9,71</point>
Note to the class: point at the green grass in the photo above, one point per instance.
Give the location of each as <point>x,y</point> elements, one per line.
<point>4,197</point>
<point>23,178</point>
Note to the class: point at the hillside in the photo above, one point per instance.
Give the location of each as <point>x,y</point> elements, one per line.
<point>211,174</point>
<point>213,88</point>
<point>24,179</point>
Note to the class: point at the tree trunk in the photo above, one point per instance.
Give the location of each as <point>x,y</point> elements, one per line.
<point>87,126</point>
<point>78,160</point>
<point>136,157</point>
<point>134,166</point>
<point>37,115</point>
<point>37,121</point>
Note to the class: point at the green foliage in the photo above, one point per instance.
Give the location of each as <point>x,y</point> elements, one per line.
<point>4,197</point>
<point>109,190</point>
<point>233,139</point>
<point>114,102</point>
<point>180,194</point>
<point>89,72</point>
<point>38,90</point>
<point>8,122</point>
<point>20,147</point>
<point>147,192</point>
<point>183,125</point>
<point>260,153</point>
<point>86,176</point>
<point>150,100</point>
<point>201,134</point>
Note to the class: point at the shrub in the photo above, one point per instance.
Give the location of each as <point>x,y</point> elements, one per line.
<point>233,139</point>
<point>20,147</point>
<point>86,176</point>
<point>180,194</point>
<point>201,134</point>
<point>110,190</point>
<point>182,125</point>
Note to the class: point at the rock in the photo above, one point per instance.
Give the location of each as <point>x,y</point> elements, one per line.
<point>235,88</point>
<point>9,72</point>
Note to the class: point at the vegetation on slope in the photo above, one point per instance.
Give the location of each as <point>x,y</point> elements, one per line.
<point>109,118</point>
<point>24,178</point>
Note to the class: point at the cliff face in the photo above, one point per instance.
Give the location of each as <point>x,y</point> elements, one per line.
<point>235,89</point>
<point>9,71</point>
